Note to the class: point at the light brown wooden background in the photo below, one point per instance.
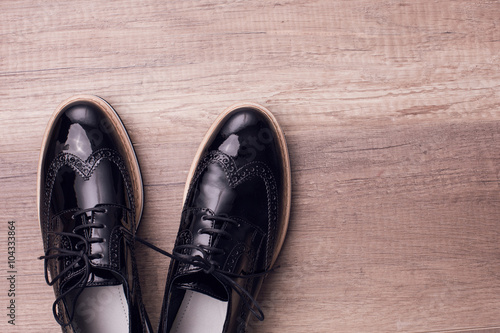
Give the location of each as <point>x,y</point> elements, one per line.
<point>392,114</point>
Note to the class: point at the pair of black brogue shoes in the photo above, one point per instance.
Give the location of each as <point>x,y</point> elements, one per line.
<point>233,222</point>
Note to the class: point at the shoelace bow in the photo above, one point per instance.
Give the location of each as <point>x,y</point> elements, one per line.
<point>81,256</point>
<point>212,268</point>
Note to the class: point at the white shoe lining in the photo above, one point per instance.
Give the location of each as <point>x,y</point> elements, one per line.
<point>200,313</point>
<point>102,310</point>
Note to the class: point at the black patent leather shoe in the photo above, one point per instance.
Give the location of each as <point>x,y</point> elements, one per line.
<point>233,224</point>
<point>90,201</point>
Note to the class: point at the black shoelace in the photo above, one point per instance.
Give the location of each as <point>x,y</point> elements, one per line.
<point>81,258</point>
<point>209,267</point>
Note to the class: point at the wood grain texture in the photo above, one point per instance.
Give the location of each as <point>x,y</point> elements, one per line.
<point>392,115</point>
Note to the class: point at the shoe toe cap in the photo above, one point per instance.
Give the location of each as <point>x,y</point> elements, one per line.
<point>81,129</point>
<point>247,135</point>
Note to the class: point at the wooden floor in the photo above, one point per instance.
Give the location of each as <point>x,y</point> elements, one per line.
<point>392,116</point>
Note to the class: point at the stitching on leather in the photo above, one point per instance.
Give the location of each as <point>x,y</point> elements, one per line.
<point>233,257</point>
<point>237,176</point>
<point>85,169</point>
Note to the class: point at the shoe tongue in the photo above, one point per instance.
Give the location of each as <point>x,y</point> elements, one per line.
<point>203,283</point>
<point>103,276</point>
<point>214,194</point>
<point>97,277</point>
